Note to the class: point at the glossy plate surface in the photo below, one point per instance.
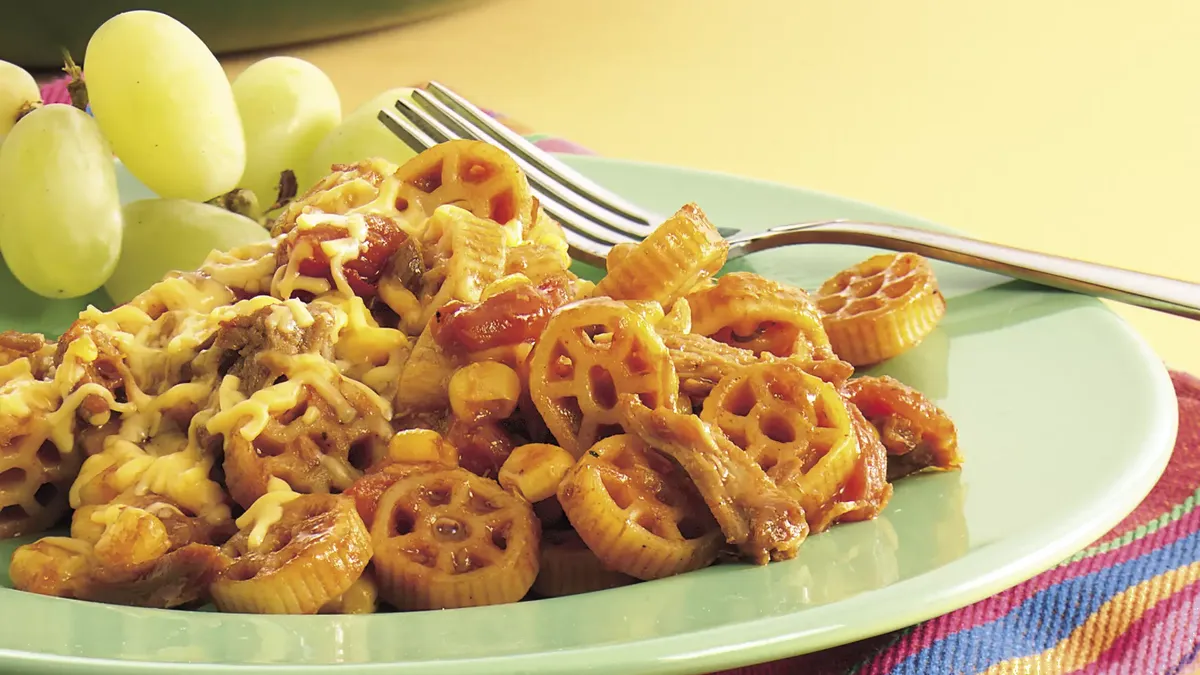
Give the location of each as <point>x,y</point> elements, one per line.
<point>1066,418</point>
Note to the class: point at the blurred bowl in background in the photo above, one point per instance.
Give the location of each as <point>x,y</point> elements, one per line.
<point>33,35</point>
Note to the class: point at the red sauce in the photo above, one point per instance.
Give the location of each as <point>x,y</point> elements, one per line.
<point>482,447</point>
<point>384,237</point>
<point>514,316</point>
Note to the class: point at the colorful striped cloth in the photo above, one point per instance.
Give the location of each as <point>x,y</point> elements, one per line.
<point>1127,605</point>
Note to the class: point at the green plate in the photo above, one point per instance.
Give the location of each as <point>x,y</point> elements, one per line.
<point>1065,415</point>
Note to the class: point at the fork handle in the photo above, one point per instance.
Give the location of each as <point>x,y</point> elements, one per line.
<point>1164,294</point>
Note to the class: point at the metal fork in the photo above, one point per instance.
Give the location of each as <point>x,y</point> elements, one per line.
<point>594,219</point>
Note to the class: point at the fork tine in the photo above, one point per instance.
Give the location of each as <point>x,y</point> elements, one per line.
<point>425,122</point>
<point>406,131</point>
<point>562,209</point>
<point>538,157</point>
<point>420,130</point>
<point>533,161</point>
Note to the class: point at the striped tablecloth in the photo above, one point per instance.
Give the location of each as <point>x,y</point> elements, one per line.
<point>1127,605</point>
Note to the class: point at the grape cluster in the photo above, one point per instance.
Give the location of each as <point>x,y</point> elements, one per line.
<point>222,157</point>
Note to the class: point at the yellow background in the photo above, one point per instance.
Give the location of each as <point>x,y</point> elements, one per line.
<point>1066,126</point>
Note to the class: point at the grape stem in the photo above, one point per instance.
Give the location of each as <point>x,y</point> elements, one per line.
<point>26,108</point>
<point>76,88</point>
<point>286,190</point>
<point>238,200</point>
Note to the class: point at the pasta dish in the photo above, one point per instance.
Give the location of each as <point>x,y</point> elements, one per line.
<point>406,399</point>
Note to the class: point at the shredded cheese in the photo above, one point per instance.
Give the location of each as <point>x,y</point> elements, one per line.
<point>266,511</point>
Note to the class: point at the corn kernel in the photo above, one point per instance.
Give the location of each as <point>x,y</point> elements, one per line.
<point>484,391</point>
<point>535,470</point>
<point>420,446</point>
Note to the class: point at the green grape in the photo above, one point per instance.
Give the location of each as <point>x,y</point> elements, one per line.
<point>60,218</point>
<point>287,106</point>
<point>360,136</point>
<point>18,92</point>
<point>163,101</point>
<point>162,235</point>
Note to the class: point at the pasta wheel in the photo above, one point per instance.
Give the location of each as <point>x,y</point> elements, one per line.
<point>591,352</point>
<point>478,175</point>
<point>867,491</point>
<point>463,254</point>
<point>761,519</point>
<point>312,554</point>
<point>183,527</point>
<point>795,426</point>
<point>310,444</point>
<point>746,310</point>
<point>347,187</point>
<point>68,568</point>
<point>679,254</point>
<point>104,365</point>
<point>702,362</point>
<point>918,435</point>
<point>637,511</point>
<point>425,379</point>
<point>534,471</point>
<point>361,598</point>
<point>449,539</point>
<point>35,471</point>
<point>569,567</point>
<point>57,566</point>
<point>367,491</point>
<point>537,262</point>
<point>881,307</point>
<point>30,346</point>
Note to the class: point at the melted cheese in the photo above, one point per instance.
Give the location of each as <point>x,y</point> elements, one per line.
<point>18,369</point>
<point>181,476</point>
<point>108,515</point>
<point>247,267</point>
<point>256,410</point>
<point>504,283</point>
<point>266,511</point>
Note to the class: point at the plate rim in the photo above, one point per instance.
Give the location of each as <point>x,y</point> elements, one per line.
<point>677,653</point>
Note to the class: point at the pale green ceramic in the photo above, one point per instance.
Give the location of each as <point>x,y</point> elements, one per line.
<point>1065,415</point>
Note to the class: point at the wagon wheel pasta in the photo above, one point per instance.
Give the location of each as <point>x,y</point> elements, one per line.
<point>317,442</point>
<point>637,511</point>
<point>590,353</point>
<point>764,316</point>
<point>795,426</point>
<point>480,176</point>
<point>463,253</point>
<point>881,307</point>
<point>569,567</point>
<point>679,254</point>
<point>746,310</point>
<point>406,400</point>
<point>315,549</point>
<point>449,538</point>
<point>361,598</point>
